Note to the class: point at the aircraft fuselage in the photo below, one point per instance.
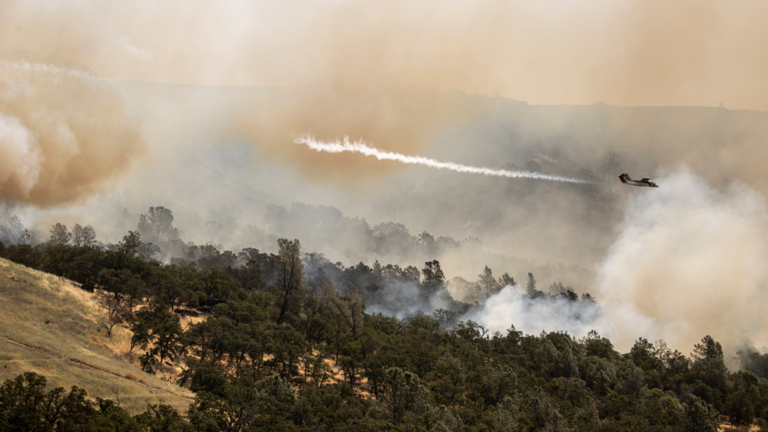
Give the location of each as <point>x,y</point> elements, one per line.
<point>646,182</point>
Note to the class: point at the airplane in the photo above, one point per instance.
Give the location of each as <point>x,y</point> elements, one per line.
<point>646,182</point>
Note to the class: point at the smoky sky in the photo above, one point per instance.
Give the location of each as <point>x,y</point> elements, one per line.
<point>385,72</point>
<point>627,52</point>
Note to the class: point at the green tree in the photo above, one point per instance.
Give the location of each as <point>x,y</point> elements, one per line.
<point>433,277</point>
<point>130,244</point>
<point>709,363</point>
<point>739,408</point>
<point>401,393</point>
<point>700,416</point>
<point>290,278</point>
<point>543,415</point>
<point>26,406</point>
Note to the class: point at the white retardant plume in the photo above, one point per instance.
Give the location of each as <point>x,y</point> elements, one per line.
<point>360,147</point>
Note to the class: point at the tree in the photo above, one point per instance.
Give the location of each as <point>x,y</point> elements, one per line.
<point>401,393</point>
<point>167,332</point>
<point>115,310</point>
<point>26,406</point>
<point>488,284</point>
<point>14,233</point>
<point>530,287</point>
<point>739,408</point>
<point>700,416</point>
<point>543,415</point>
<point>507,280</point>
<point>643,354</point>
<point>162,418</point>
<point>130,244</point>
<point>499,383</point>
<point>504,418</point>
<point>83,236</point>
<point>59,235</point>
<point>157,225</point>
<point>291,274</point>
<point>709,363</point>
<point>245,405</point>
<point>24,254</point>
<point>433,279</point>
<point>122,283</point>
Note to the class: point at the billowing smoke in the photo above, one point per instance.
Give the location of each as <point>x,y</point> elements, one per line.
<point>688,262</point>
<point>511,306</point>
<point>360,147</point>
<point>63,134</point>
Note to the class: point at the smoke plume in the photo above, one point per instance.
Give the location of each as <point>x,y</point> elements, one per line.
<point>63,133</point>
<point>511,306</point>
<point>360,147</point>
<point>688,263</point>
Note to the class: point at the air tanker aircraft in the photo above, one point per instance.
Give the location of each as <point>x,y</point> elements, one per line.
<point>646,182</point>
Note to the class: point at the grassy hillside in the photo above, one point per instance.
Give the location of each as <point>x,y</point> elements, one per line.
<point>51,327</point>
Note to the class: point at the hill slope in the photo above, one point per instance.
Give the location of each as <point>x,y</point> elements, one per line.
<point>51,327</point>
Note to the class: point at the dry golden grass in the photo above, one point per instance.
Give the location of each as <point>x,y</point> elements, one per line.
<point>725,426</point>
<point>51,327</point>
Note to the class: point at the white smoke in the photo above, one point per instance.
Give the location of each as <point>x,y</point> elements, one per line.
<point>511,306</point>
<point>689,261</point>
<point>360,146</point>
<point>19,157</point>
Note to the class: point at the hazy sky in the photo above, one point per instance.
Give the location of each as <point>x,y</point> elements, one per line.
<point>625,52</point>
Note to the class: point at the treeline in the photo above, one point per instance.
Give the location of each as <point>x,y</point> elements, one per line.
<point>282,347</point>
<point>323,226</point>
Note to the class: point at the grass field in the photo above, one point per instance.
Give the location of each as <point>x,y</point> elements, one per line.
<point>51,327</point>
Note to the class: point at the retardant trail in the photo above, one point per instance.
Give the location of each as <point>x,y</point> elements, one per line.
<point>360,147</point>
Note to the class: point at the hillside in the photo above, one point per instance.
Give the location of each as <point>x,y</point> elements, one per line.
<point>51,327</point>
